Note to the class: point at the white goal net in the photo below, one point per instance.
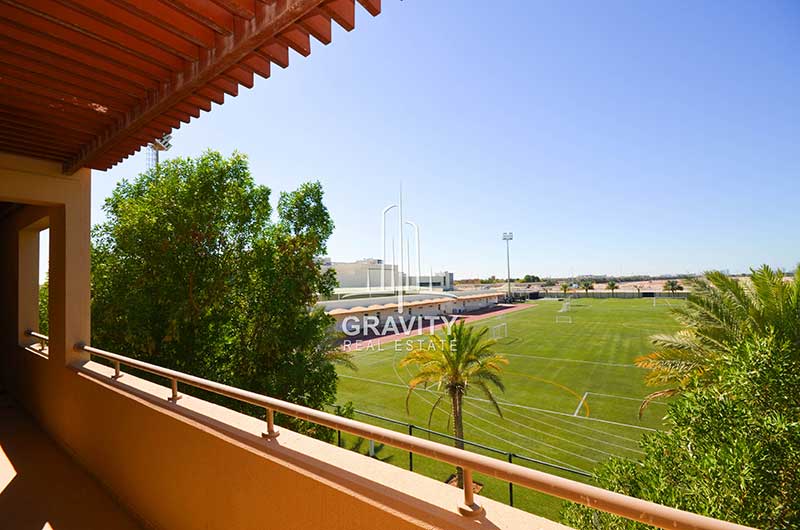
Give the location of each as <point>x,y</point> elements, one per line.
<point>563,320</point>
<point>500,331</point>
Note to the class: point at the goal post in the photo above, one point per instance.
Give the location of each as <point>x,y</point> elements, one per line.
<point>563,319</point>
<point>499,331</point>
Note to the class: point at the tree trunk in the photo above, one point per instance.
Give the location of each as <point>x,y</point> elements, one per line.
<point>458,429</point>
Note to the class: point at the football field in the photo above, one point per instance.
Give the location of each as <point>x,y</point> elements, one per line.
<point>571,400</point>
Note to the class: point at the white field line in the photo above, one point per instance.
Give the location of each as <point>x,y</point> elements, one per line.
<point>580,404</point>
<point>526,438</point>
<point>573,430</point>
<point>566,440</point>
<point>625,397</point>
<point>561,359</point>
<point>510,404</point>
<point>533,440</point>
<point>518,446</point>
<point>567,414</point>
<point>540,455</point>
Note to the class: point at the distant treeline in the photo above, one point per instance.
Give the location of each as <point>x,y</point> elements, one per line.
<point>532,278</point>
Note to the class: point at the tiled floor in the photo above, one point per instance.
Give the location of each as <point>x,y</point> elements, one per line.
<point>41,487</point>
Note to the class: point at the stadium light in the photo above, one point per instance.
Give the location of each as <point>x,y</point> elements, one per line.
<point>383,242</point>
<point>508,236</point>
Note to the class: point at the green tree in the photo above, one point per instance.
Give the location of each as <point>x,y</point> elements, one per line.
<point>586,285</point>
<point>460,358</point>
<point>531,278</point>
<point>612,286</point>
<point>731,449</point>
<point>720,313</point>
<point>44,304</point>
<point>191,272</point>
<point>672,286</point>
<point>564,288</point>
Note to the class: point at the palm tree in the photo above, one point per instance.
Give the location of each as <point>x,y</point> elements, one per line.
<point>459,359</point>
<point>564,288</point>
<point>586,285</point>
<point>612,286</point>
<point>672,286</point>
<point>720,313</point>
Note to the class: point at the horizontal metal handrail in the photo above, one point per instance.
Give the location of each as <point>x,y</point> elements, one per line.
<point>31,333</point>
<point>592,496</point>
<point>475,444</point>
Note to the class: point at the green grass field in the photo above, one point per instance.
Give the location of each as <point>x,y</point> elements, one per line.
<point>572,392</point>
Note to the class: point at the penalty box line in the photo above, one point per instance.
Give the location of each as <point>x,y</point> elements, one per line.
<point>580,404</point>
<point>510,404</point>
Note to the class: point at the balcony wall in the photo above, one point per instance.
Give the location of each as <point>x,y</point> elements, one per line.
<point>189,464</point>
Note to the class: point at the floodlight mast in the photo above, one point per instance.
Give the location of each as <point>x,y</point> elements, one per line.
<point>383,240</point>
<point>414,225</point>
<point>508,236</point>
<point>159,144</point>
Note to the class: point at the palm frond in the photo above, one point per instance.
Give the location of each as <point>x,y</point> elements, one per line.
<point>433,409</point>
<point>655,395</point>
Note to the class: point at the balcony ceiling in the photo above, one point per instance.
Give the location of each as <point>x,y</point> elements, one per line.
<point>90,82</point>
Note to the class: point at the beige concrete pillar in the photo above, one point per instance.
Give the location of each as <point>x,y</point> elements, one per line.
<point>66,201</point>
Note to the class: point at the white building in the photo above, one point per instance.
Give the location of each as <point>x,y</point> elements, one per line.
<point>366,273</point>
<point>441,280</point>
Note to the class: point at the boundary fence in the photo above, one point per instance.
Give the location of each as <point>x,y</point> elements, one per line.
<point>554,293</point>
<point>510,457</point>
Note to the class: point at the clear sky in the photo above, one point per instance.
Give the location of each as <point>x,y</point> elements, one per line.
<point>613,137</point>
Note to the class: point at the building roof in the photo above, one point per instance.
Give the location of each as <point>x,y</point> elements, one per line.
<point>416,303</point>
<point>90,82</point>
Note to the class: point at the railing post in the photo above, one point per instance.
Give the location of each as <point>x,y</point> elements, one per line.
<point>470,508</point>
<point>510,484</point>
<point>271,432</point>
<point>338,431</point>
<point>175,396</point>
<point>117,373</point>
<point>411,453</point>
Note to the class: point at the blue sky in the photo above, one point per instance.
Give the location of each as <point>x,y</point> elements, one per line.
<point>614,137</point>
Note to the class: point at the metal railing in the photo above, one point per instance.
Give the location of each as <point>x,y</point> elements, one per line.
<point>507,455</point>
<point>592,496</point>
<point>43,342</point>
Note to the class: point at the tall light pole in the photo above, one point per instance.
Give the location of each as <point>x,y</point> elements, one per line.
<point>413,225</point>
<point>508,236</point>
<point>400,297</point>
<point>383,241</point>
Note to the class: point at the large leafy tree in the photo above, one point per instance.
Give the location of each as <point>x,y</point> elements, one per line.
<point>457,360</point>
<point>193,271</point>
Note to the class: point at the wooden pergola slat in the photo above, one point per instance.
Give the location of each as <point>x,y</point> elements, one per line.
<point>90,82</point>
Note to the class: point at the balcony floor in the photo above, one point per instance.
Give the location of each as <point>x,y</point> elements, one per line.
<point>41,487</point>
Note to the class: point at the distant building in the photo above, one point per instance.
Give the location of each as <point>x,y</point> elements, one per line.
<point>421,305</point>
<point>366,274</point>
<point>439,280</point>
